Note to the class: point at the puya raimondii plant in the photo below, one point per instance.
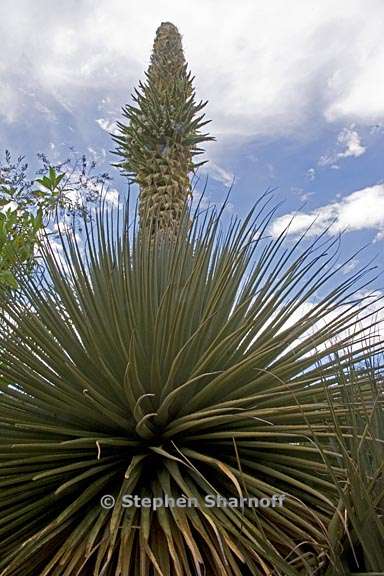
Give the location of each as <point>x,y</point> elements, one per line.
<point>178,365</point>
<point>161,134</point>
<point>148,371</point>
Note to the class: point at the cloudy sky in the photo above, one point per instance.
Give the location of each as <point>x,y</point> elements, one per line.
<point>295,90</point>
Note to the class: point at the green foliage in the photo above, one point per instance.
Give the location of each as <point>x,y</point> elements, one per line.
<point>163,368</point>
<point>18,235</point>
<point>357,528</point>
<point>20,226</point>
<point>28,205</point>
<point>162,365</point>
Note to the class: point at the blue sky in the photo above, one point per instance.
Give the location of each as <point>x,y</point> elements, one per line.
<point>295,90</point>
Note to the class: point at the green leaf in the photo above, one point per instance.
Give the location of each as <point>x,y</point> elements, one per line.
<point>59,178</point>
<point>8,279</point>
<point>155,367</point>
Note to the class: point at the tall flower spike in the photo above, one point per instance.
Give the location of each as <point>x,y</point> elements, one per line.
<point>160,139</point>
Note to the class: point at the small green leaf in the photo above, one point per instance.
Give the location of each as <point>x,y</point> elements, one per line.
<point>8,279</point>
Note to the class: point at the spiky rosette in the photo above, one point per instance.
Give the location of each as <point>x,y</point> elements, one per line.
<point>161,137</point>
<point>136,369</point>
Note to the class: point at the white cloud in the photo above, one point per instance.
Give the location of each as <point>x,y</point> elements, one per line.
<point>97,155</point>
<point>302,194</point>
<point>379,236</point>
<point>351,140</point>
<point>363,209</point>
<point>10,101</point>
<point>112,197</point>
<point>65,229</point>
<point>219,173</point>
<point>107,125</point>
<point>369,322</point>
<point>262,72</point>
<point>311,174</point>
<point>348,144</point>
<point>363,96</point>
<point>367,325</point>
<point>351,266</point>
